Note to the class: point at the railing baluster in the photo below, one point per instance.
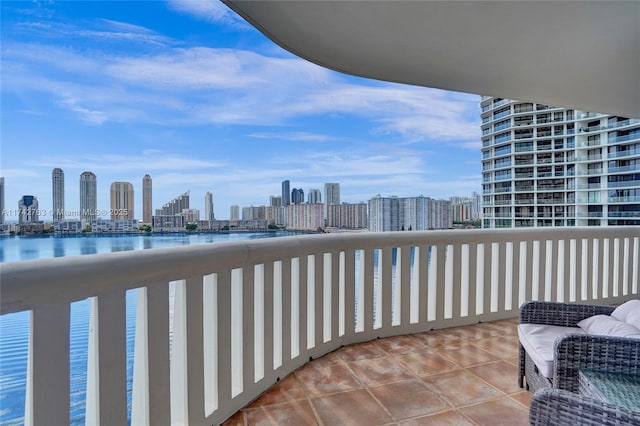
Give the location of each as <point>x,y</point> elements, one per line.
<point>334,303</point>
<point>518,291</point>
<point>396,310</point>
<point>303,304</point>
<point>367,303</point>
<point>151,392</point>
<point>404,264</point>
<point>224,328</point>
<point>559,267</point>
<point>318,299</point>
<point>269,320</point>
<point>596,261</point>
<point>195,349</point>
<point>617,269</point>
<point>349,294</point>
<point>565,255</point>
<point>210,343</point>
<point>472,272</point>
<point>47,390</point>
<point>635,265</point>
<point>107,362</point>
<point>259,321</point>
<point>248,327</point>
<point>423,282</point>
<point>607,258</point>
<point>385,287</point>
<point>440,265</point>
<point>285,271</point>
<point>504,280</point>
<point>456,280</point>
<point>625,267</point>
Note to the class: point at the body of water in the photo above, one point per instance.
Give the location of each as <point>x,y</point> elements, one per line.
<point>14,328</point>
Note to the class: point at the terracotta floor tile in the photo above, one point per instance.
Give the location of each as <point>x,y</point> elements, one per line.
<point>412,380</point>
<point>475,332</point>
<point>236,420</point>
<point>400,344</point>
<point>448,418</point>
<point>327,360</point>
<point>426,362</point>
<point>326,379</point>
<point>295,413</point>
<point>360,351</point>
<point>437,338</point>
<point>500,412</point>
<point>409,398</point>
<point>462,388</point>
<point>466,354</point>
<point>355,407</point>
<point>378,371</point>
<point>500,374</point>
<point>288,389</point>
<point>523,397</point>
<point>500,346</point>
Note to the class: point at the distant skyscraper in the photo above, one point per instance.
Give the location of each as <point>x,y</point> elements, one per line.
<point>2,208</point>
<point>208,207</point>
<point>331,195</point>
<point>286,195</point>
<point>88,197</point>
<point>121,200</point>
<point>297,196</point>
<point>28,209</point>
<point>275,201</point>
<point>147,199</point>
<point>57,181</point>
<point>314,196</point>
<point>171,214</point>
<point>234,213</point>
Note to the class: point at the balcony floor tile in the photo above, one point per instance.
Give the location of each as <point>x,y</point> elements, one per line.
<point>457,376</point>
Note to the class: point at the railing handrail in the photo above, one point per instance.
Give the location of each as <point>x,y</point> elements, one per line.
<point>229,322</point>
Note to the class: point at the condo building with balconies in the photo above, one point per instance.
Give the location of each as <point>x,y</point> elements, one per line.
<point>551,166</point>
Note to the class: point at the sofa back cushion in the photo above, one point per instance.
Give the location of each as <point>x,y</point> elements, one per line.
<point>608,326</point>
<point>628,312</point>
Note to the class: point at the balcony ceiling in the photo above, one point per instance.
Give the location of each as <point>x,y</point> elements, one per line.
<point>583,55</point>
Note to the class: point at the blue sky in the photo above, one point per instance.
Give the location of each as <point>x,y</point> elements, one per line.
<point>194,96</point>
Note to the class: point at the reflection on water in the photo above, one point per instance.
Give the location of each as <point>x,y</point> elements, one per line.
<point>58,248</point>
<point>88,246</point>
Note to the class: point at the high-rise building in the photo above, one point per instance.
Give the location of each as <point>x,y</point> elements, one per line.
<point>234,212</point>
<point>409,214</point>
<point>331,195</point>
<point>314,196</point>
<point>275,201</point>
<point>549,166</point>
<point>347,215</point>
<point>2,205</point>
<point>208,207</point>
<point>305,216</point>
<point>297,196</point>
<point>28,209</point>
<point>286,195</point>
<point>170,215</point>
<point>57,183</point>
<point>121,200</point>
<point>147,199</point>
<point>88,197</point>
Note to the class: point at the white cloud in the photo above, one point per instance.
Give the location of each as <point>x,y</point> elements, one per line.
<point>209,10</point>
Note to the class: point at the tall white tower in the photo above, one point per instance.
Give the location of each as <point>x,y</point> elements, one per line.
<point>208,207</point>
<point>57,182</point>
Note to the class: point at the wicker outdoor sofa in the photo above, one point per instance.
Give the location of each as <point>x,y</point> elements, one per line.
<point>575,349</point>
<point>556,407</point>
<point>574,343</point>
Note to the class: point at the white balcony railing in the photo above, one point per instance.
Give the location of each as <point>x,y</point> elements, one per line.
<point>247,313</point>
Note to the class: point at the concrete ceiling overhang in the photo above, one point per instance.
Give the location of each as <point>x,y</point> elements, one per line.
<point>578,54</point>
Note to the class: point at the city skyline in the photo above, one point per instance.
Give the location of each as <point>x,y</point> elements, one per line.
<point>200,100</point>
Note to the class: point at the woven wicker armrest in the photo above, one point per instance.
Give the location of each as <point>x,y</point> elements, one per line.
<point>559,407</point>
<point>602,353</point>
<point>561,314</point>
